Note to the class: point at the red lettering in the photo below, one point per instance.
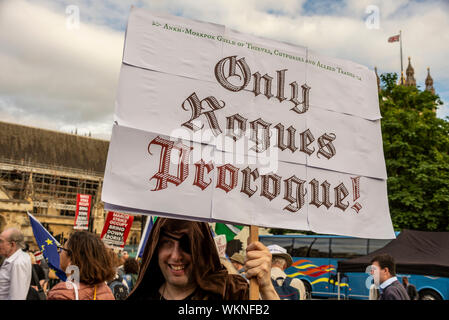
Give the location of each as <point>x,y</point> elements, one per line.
<point>233,177</point>
<point>199,174</point>
<point>163,176</point>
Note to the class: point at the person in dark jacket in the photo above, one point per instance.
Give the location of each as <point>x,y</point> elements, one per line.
<point>385,272</point>
<point>411,289</point>
<point>37,278</point>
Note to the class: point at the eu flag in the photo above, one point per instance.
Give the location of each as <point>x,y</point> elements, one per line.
<point>48,245</point>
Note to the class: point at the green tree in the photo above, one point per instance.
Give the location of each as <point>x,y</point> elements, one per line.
<point>416,148</point>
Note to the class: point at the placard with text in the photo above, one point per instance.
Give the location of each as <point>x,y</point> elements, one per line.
<point>216,125</point>
<point>116,229</point>
<point>82,214</point>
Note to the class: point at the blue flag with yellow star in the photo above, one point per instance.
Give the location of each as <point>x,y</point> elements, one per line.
<point>48,245</point>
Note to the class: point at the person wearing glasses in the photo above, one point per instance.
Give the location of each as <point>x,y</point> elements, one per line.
<point>15,272</point>
<point>87,257</point>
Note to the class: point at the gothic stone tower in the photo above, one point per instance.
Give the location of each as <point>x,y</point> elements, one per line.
<point>429,82</point>
<point>410,73</point>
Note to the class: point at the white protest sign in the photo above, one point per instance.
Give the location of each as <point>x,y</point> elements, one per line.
<point>215,125</point>
<point>357,141</point>
<point>131,178</point>
<point>83,206</point>
<point>351,197</point>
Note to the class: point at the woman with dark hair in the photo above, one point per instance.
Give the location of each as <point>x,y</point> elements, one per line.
<point>86,252</point>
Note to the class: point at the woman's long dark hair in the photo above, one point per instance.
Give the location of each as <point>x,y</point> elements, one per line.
<point>90,255</point>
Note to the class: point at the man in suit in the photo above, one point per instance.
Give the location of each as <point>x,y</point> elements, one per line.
<point>411,289</point>
<point>384,269</point>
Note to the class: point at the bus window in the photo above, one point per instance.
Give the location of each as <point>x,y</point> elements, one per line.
<point>348,248</point>
<point>284,242</point>
<point>375,244</point>
<point>301,247</point>
<point>320,248</point>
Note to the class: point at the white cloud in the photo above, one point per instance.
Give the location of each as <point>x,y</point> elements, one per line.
<point>54,72</point>
<point>386,8</point>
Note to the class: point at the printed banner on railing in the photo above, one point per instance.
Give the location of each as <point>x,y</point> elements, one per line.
<point>216,125</point>
<point>83,204</point>
<point>116,229</point>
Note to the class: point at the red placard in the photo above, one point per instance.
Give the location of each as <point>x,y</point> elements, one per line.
<point>116,228</point>
<point>83,202</point>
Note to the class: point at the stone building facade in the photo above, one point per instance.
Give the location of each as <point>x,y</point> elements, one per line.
<point>42,171</point>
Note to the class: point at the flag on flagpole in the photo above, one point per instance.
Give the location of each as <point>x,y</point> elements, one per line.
<point>144,237</point>
<point>48,245</point>
<point>229,230</point>
<point>394,38</point>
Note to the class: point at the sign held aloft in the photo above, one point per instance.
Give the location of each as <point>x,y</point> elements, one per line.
<point>116,229</point>
<point>219,126</point>
<point>83,205</point>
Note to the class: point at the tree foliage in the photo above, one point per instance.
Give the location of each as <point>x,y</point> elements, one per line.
<point>416,149</point>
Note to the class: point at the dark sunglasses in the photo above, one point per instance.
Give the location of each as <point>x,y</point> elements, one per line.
<point>62,248</point>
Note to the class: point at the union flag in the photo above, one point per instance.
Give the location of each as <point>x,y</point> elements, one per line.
<point>393,38</point>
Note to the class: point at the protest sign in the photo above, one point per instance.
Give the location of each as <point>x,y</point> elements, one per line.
<point>222,126</point>
<point>116,229</point>
<point>83,203</point>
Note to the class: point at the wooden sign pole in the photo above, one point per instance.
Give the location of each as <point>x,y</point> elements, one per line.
<point>253,284</point>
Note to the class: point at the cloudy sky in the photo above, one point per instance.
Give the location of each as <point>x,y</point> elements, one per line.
<point>61,75</point>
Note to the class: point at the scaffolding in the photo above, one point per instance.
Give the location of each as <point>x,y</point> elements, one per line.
<point>53,191</point>
<point>47,190</point>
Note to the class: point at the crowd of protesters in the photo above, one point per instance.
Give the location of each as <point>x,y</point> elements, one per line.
<point>180,262</point>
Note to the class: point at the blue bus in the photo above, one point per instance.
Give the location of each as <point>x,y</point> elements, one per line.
<point>315,261</point>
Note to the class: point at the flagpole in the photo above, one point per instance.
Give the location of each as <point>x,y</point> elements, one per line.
<point>253,284</point>
<point>142,236</point>
<point>402,68</point>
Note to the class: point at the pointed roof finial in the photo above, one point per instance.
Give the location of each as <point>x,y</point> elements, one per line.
<point>410,72</point>
<point>429,82</point>
<point>428,75</point>
<point>409,67</point>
